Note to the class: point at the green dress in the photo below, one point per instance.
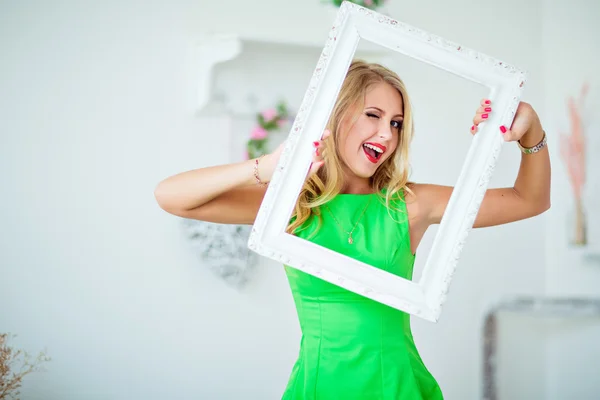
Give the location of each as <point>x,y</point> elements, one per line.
<point>353,347</point>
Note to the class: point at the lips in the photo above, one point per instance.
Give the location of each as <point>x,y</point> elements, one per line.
<point>373,155</point>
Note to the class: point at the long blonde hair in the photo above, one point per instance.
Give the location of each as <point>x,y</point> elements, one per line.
<point>392,175</point>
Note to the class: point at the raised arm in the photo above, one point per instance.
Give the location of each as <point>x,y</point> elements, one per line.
<point>530,194</point>
<point>227,194</point>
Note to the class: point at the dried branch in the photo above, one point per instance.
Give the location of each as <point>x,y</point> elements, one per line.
<point>14,366</point>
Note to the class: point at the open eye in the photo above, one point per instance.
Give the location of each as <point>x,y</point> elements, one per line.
<point>397,124</point>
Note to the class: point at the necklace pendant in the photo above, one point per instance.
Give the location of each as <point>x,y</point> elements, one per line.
<point>350,240</point>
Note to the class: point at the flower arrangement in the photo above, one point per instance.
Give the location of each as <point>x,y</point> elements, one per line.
<point>573,154</point>
<point>372,4</point>
<point>269,120</point>
<point>14,365</point>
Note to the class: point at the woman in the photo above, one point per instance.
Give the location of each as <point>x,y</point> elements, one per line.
<point>357,201</point>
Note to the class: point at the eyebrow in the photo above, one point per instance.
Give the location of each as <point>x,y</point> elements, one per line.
<point>383,112</point>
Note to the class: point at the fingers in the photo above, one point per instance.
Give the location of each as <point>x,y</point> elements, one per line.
<point>509,135</point>
<point>481,114</point>
<point>318,153</point>
<point>314,167</point>
<point>319,146</point>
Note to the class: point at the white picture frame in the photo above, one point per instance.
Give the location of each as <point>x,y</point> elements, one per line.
<point>269,238</point>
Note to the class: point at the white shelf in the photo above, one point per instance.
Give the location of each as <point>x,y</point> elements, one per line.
<point>241,76</point>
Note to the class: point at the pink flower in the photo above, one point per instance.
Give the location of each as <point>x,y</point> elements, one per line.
<point>269,114</point>
<point>258,133</point>
<point>368,3</point>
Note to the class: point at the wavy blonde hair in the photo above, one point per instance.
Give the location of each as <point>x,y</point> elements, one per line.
<point>392,175</point>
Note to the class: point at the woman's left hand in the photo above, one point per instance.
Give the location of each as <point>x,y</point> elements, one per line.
<point>525,119</point>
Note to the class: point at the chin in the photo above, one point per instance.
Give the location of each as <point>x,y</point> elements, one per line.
<point>363,171</point>
<point>364,168</point>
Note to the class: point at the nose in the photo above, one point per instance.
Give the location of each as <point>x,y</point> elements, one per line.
<point>385,131</point>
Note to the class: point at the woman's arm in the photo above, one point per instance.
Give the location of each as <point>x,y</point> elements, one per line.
<point>530,194</point>
<point>226,194</point>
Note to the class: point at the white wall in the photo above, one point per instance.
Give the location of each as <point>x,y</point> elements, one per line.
<point>98,105</point>
<point>571,56</point>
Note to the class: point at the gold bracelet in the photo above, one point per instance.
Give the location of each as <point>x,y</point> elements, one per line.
<point>534,149</point>
<point>258,181</point>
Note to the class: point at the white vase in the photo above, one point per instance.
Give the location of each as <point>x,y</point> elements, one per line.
<point>577,224</point>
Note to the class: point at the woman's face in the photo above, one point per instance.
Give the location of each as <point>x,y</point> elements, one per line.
<point>366,145</point>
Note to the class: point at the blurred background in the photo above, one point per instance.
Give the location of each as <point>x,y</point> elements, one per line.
<point>99,101</point>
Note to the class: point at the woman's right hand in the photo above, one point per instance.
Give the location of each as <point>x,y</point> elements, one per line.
<point>318,160</point>
<point>267,165</point>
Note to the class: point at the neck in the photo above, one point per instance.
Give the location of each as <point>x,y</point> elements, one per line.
<point>356,185</point>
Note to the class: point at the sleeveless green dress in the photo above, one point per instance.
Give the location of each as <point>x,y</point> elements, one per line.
<point>354,348</point>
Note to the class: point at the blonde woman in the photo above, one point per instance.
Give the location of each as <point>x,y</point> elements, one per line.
<point>357,200</point>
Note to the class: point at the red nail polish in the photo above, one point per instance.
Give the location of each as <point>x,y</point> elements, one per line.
<point>503,129</point>
<point>488,102</point>
<point>484,116</point>
<point>317,152</point>
<point>488,109</point>
<point>473,128</point>
<point>315,144</point>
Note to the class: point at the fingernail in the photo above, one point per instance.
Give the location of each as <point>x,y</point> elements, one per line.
<point>316,144</point>
<point>317,151</point>
<point>488,109</point>
<point>484,116</point>
<point>503,129</point>
<point>473,128</point>
<point>488,102</point>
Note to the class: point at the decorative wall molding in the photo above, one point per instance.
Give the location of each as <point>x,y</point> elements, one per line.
<point>224,249</point>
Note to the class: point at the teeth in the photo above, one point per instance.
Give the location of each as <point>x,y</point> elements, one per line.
<point>377,149</point>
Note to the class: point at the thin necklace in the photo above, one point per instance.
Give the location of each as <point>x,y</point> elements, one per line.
<point>350,240</point>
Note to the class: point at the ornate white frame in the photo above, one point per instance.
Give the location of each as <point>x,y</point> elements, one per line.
<point>268,237</point>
